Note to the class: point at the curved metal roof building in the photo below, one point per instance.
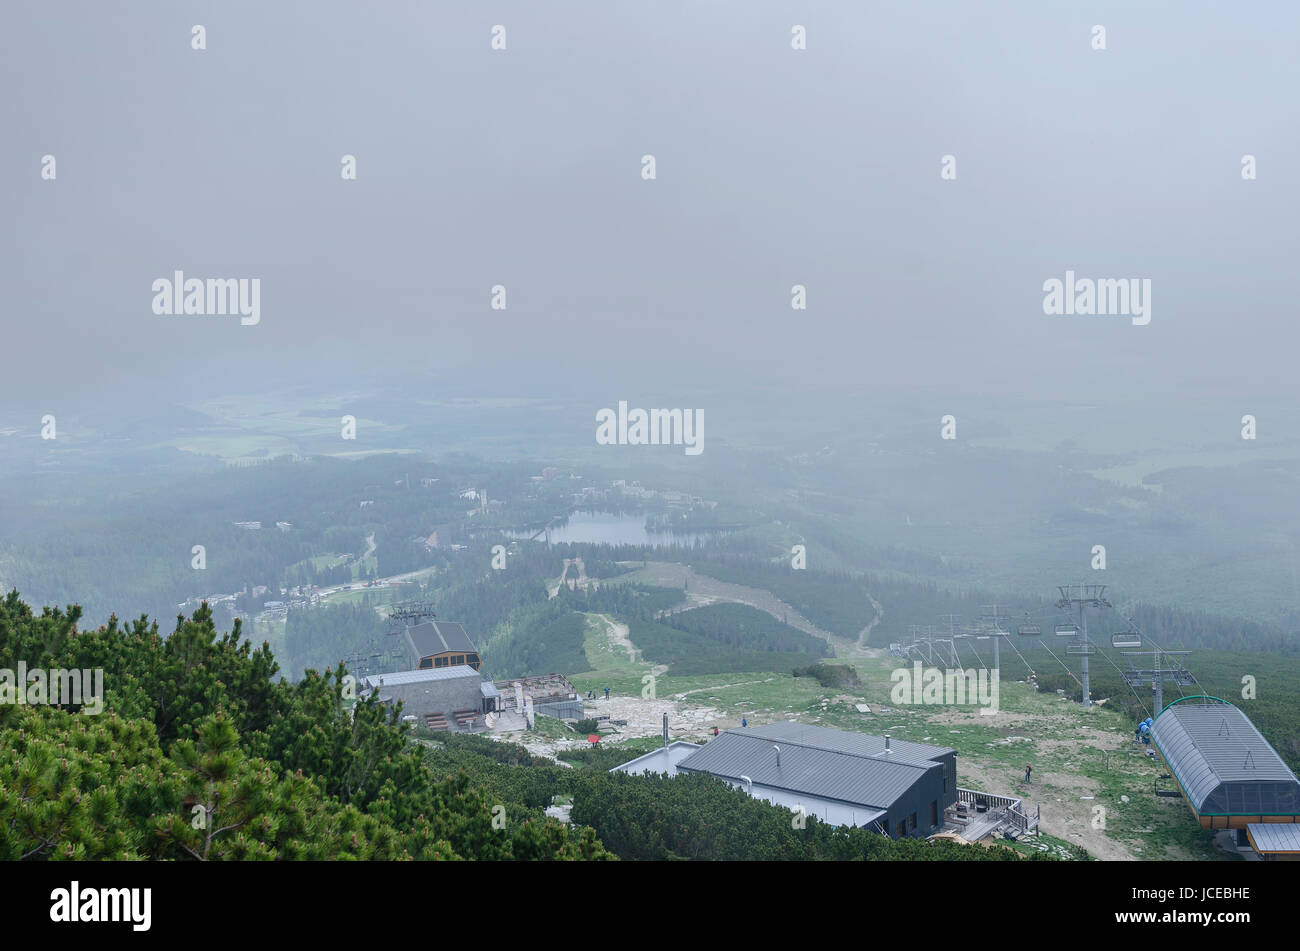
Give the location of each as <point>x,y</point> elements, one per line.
<point>1225,768</point>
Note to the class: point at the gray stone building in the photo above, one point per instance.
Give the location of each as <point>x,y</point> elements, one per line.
<point>441,698</point>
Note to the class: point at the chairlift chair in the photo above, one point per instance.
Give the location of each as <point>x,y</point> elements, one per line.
<point>1067,630</point>
<point>1165,789</point>
<point>1126,639</point>
<point>1030,630</point>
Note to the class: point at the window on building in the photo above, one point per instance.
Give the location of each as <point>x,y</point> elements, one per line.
<point>440,662</point>
<point>911,822</point>
<point>934,813</point>
<point>458,660</point>
<point>426,663</point>
<point>902,829</point>
<point>472,659</point>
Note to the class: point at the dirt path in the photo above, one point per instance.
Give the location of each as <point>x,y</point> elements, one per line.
<point>701,590</point>
<point>618,636</point>
<point>742,683</point>
<point>582,582</point>
<point>618,633</point>
<point>866,631</point>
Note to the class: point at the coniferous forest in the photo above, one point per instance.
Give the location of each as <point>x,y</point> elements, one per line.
<point>202,754</point>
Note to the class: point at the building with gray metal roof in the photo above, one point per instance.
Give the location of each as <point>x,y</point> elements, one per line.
<point>1227,771</point>
<point>440,697</point>
<point>859,744</point>
<point>404,677</point>
<point>1275,840</point>
<point>439,644</point>
<point>664,760</point>
<point>846,778</point>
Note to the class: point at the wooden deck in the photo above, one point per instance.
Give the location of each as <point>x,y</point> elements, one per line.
<point>1004,813</point>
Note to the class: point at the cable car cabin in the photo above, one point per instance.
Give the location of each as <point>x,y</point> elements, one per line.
<point>1030,630</point>
<point>1126,639</point>
<point>1067,630</point>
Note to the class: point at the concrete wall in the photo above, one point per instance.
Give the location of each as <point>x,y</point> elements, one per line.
<point>437,696</point>
<point>563,710</point>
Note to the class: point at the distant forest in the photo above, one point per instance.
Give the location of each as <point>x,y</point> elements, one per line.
<point>128,545</point>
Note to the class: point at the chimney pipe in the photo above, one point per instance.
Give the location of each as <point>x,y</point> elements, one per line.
<point>665,731</point>
<point>886,742</point>
<point>777,749</point>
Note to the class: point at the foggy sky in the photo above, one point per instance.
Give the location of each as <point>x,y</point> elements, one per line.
<point>523,168</point>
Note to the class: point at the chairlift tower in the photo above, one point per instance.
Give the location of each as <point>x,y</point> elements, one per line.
<point>1167,665</point>
<point>954,635</point>
<point>917,643</point>
<point>932,639</point>
<point>410,612</point>
<point>922,644</point>
<point>954,659</point>
<point>1082,597</point>
<point>993,614</point>
<point>358,665</point>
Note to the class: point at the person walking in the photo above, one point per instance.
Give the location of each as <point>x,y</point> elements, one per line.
<point>1028,769</point>
<point>606,693</point>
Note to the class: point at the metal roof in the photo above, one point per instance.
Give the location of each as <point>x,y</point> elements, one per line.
<point>840,775</point>
<point>489,689</point>
<point>661,760</point>
<point>1274,836</point>
<point>843,741</point>
<point>421,676</point>
<point>1223,764</point>
<point>439,637</point>
<point>665,760</point>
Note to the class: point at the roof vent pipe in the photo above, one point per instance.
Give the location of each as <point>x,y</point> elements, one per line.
<point>777,749</point>
<point>886,742</point>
